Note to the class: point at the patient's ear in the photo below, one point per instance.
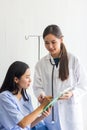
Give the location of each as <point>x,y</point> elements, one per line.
<point>16,79</point>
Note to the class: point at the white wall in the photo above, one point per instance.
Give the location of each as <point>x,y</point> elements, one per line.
<point>25,17</point>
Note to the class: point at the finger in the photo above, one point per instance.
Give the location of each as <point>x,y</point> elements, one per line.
<point>40,99</point>
<point>49,98</point>
<point>46,113</point>
<point>41,96</point>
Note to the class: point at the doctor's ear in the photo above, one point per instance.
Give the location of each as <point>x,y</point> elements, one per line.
<point>16,79</point>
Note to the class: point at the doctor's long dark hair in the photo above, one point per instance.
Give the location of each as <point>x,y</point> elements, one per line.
<point>63,65</point>
<point>17,69</point>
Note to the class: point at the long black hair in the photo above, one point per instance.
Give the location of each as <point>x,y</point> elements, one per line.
<point>63,68</point>
<point>16,69</point>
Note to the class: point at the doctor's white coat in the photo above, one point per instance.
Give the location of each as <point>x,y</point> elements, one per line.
<point>69,111</point>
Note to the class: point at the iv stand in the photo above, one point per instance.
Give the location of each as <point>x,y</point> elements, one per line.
<point>38,37</point>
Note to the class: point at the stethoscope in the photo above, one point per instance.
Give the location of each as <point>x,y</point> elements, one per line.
<point>53,64</point>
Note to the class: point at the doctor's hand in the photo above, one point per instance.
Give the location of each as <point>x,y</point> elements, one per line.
<point>66,95</point>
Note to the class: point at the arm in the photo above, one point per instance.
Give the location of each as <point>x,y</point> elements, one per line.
<point>32,118</point>
<point>45,114</point>
<point>12,115</point>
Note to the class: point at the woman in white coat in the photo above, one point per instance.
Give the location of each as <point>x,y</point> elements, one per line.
<point>55,72</point>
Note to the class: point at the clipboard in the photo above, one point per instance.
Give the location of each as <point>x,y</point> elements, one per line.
<point>54,100</point>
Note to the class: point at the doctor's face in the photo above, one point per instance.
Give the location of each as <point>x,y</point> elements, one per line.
<point>24,81</point>
<point>53,45</point>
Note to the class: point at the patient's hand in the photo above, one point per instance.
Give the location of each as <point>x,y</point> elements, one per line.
<point>46,113</point>
<point>41,98</point>
<point>46,100</point>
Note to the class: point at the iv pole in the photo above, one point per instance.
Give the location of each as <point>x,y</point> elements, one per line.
<point>38,37</point>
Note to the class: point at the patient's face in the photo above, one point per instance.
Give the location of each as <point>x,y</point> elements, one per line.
<point>25,80</point>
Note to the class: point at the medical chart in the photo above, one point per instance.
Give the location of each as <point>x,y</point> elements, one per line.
<point>54,100</point>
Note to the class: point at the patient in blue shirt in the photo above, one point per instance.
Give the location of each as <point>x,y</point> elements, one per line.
<point>16,110</point>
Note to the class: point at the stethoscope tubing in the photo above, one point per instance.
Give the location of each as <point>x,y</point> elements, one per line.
<point>52,89</point>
